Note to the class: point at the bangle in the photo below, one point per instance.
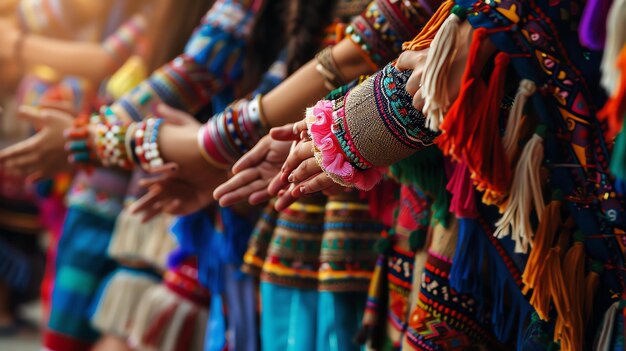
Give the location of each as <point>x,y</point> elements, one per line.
<point>203,150</point>
<point>110,140</point>
<point>151,151</point>
<point>327,68</point>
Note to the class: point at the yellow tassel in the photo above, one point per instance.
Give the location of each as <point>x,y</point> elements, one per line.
<point>437,68</point>
<point>546,232</point>
<point>525,191</point>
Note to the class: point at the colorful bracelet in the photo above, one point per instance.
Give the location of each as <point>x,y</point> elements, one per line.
<point>146,150</point>
<point>77,143</point>
<point>110,142</point>
<point>233,132</point>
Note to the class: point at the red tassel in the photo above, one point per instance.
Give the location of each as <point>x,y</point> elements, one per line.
<point>154,334</point>
<point>186,336</point>
<point>469,130</point>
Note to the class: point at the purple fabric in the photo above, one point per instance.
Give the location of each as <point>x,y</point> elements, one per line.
<point>592,28</point>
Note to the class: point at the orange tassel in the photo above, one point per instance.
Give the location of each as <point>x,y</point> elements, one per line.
<point>544,238</point>
<point>574,278</point>
<point>467,130</point>
<point>427,34</point>
<point>615,108</point>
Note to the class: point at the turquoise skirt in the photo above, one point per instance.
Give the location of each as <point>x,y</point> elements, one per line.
<point>295,319</point>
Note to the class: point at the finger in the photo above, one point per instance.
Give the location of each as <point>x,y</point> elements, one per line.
<point>252,157</point>
<point>259,197</point>
<point>174,116</point>
<point>242,193</point>
<point>174,207</point>
<point>24,147</point>
<point>333,190</point>
<point>305,170</point>
<point>150,213</point>
<point>418,100</point>
<point>284,133</point>
<point>278,183</point>
<point>414,83</point>
<point>22,165</point>
<point>284,201</point>
<point>406,60</point>
<point>34,177</point>
<point>31,115</point>
<point>147,201</point>
<point>169,169</point>
<point>62,106</point>
<point>301,152</point>
<point>300,127</point>
<point>318,183</point>
<point>236,182</point>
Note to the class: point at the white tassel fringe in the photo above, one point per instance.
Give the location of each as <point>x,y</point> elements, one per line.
<point>516,218</point>
<point>436,72</point>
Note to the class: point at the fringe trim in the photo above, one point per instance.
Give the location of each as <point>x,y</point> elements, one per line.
<point>525,190</point>
<point>515,122</point>
<point>145,242</point>
<point>119,300</point>
<point>424,39</point>
<point>615,40</point>
<point>165,321</point>
<point>605,337</point>
<point>436,71</point>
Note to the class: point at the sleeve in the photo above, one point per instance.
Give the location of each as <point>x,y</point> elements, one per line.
<point>373,126</point>
<point>385,25</point>
<point>212,60</point>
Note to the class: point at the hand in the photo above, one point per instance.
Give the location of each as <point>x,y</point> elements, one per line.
<point>301,174</point>
<point>415,60</point>
<point>187,181</point>
<point>254,171</point>
<point>43,154</point>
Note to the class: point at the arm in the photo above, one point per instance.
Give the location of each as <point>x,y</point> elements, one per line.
<point>93,61</point>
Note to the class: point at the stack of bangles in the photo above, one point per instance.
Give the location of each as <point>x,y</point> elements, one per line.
<point>328,69</point>
<point>231,133</point>
<point>116,144</point>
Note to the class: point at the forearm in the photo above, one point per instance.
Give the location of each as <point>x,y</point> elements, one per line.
<point>287,102</point>
<point>87,60</point>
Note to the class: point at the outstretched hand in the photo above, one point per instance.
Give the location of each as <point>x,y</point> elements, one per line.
<point>254,171</point>
<point>185,183</point>
<point>301,175</point>
<point>43,154</point>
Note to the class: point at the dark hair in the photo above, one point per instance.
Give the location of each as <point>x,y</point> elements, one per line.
<point>297,25</point>
<point>307,21</point>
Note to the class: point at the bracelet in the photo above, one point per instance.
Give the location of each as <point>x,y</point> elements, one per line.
<point>110,143</point>
<point>327,68</point>
<point>146,150</point>
<point>77,143</point>
<point>203,150</point>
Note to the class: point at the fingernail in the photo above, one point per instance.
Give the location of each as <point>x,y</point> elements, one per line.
<point>302,189</point>
<point>291,178</point>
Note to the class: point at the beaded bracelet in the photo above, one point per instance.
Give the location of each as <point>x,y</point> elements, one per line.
<point>77,143</point>
<point>327,67</point>
<point>146,150</point>
<point>110,142</point>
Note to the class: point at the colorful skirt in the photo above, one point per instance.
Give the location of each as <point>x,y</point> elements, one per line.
<point>82,261</point>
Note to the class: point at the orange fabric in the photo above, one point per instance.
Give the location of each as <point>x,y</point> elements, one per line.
<point>615,107</point>
<point>427,34</point>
